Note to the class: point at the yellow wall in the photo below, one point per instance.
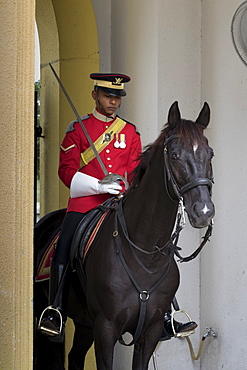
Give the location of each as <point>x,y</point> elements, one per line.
<point>16,195</point>
<point>68,40</point>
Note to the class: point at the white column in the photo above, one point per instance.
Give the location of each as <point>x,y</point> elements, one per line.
<point>224,278</point>
<point>158,44</point>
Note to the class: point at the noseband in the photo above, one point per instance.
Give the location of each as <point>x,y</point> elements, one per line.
<point>179,191</point>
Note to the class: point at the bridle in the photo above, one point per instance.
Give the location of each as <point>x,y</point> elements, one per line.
<point>179,191</point>
<point>180,223</point>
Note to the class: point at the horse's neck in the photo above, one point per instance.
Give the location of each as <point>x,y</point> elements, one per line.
<point>150,212</point>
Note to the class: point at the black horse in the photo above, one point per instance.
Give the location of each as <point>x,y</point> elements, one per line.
<point>130,273</point>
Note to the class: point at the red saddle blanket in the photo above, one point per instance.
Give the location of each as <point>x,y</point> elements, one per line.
<point>43,271</point>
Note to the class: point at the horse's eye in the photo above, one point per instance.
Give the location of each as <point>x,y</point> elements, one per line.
<point>174,155</point>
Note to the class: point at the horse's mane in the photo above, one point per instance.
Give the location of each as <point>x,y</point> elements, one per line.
<point>188,133</point>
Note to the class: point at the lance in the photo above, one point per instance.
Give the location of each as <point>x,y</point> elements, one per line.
<point>109,177</point>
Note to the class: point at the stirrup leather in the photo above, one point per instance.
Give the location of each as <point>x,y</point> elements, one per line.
<point>47,330</point>
<point>181,334</point>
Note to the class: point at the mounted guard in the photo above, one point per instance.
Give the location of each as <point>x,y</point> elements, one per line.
<point>96,148</point>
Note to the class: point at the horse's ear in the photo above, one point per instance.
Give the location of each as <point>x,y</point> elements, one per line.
<point>174,116</point>
<point>204,116</point>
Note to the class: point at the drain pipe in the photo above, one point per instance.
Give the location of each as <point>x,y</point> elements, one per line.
<point>210,333</point>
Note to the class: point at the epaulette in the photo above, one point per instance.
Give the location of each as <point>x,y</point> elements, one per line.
<point>131,124</point>
<point>71,124</point>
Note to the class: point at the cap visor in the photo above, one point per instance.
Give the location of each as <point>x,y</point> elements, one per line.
<point>114,92</point>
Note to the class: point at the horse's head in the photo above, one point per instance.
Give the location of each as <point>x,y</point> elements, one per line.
<point>188,164</point>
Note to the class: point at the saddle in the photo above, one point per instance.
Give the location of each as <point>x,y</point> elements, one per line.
<point>87,230</point>
<point>84,235</point>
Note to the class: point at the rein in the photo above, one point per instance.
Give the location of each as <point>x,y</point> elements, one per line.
<point>175,236</point>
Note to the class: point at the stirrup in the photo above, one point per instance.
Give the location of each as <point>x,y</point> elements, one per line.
<point>181,334</point>
<point>44,329</point>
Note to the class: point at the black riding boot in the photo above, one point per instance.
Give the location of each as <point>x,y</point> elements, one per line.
<point>53,318</point>
<point>179,327</point>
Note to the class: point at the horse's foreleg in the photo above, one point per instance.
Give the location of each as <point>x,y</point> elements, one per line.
<point>83,340</point>
<point>47,354</point>
<point>145,347</point>
<point>105,339</point>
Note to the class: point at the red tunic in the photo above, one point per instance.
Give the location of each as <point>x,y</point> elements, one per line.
<point>116,160</point>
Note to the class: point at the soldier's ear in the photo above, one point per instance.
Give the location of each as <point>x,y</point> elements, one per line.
<point>94,95</point>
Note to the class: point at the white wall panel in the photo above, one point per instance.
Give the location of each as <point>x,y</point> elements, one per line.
<point>182,50</point>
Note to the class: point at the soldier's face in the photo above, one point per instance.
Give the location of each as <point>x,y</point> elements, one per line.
<point>105,103</point>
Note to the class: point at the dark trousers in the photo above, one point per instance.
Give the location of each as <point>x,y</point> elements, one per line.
<point>70,223</point>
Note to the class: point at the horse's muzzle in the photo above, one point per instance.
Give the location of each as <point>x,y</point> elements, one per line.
<point>201,214</point>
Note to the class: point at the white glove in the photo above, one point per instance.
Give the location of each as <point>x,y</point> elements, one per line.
<point>111,188</point>
<point>83,185</point>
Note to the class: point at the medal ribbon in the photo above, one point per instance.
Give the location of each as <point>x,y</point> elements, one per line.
<point>100,144</point>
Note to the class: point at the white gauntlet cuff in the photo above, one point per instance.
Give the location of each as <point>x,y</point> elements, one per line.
<point>83,185</point>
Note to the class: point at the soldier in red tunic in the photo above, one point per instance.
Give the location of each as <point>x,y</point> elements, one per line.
<point>119,146</point>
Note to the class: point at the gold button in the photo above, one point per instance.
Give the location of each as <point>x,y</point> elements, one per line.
<point>110,166</point>
<point>108,158</point>
<point>107,151</point>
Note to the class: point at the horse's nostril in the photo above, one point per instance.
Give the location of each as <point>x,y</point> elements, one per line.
<point>195,208</point>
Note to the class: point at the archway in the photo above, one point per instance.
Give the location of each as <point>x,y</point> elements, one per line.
<point>68,40</point>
